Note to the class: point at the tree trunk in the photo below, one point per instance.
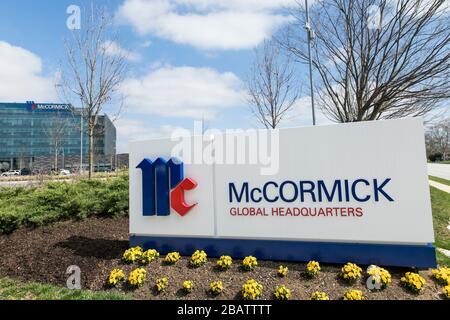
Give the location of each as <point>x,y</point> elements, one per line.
<point>56,160</point>
<point>91,152</point>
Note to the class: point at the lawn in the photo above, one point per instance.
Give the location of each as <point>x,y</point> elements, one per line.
<point>440,180</point>
<point>440,203</point>
<point>16,290</point>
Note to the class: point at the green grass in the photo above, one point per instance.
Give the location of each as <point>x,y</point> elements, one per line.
<point>16,290</point>
<point>440,180</point>
<point>440,203</point>
<point>442,259</point>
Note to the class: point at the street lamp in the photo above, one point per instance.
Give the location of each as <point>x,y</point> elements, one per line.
<point>310,38</point>
<point>81,142</point>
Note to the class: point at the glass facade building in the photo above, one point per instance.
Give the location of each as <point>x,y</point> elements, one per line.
<point>31,130</point>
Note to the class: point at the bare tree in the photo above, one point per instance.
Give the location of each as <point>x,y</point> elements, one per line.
<point>437,140</point>
<point>271,85</point>
<point>55,131</point>
<point>375,59</point>
<point>95,70</point>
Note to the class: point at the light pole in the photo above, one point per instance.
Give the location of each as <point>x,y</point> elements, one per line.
<point>63,158</point>
<point>310,38</point>
<point>81,142</point>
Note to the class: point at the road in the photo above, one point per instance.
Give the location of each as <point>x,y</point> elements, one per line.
<point>439,170</point>
<point>28,183</point>
<point>18,183</point>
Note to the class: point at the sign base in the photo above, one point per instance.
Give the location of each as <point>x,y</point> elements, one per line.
<point>418,256</point>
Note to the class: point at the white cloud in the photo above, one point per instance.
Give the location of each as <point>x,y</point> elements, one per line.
<point>206,24</point>
<point>21,76</point>
<point>113,48</point>
<point>183,92</point>
<point>301,114</point>
<point>146,44</point>
<point>136,130</point>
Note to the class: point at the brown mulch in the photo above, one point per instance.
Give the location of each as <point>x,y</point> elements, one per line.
<point>96,246</point>
<point>44,254</point>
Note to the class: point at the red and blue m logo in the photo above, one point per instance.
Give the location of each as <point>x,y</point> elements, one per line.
<point>163,187</point>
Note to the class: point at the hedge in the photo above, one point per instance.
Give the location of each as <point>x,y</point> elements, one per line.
<point>55,201</point>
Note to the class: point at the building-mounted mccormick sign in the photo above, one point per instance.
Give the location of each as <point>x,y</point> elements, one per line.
<point>32,106</point>
<point>351,192</point>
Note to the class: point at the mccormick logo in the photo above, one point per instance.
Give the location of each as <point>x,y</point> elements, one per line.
<point>163,187</point>
<point>47,107</point>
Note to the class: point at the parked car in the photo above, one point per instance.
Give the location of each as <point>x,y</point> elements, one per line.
<point>64,172</point>
<point>25,172</point>
<point>11,173</point>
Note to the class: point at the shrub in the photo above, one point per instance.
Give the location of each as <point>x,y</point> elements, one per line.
<point>442,275</point>
<point>198,258</point>
<point>249,263</point>
<point>446,292</point>
<point>251,290</point>
<point>380,275</point>
<point>161,284</point>
<point>10,220</point>
<point>172,258</point>
<point>413,282</point>
<point>350,272</point>
<point>282,293</point>
<point>437,156</point>
<point>137,277</point>
<point>133,254</point>
<point>188,286</point>
<point>283,271</point>
<point>224,262</point>
<point>216,287</point>
<point>353,295</point>
<point>116,276</point>
<point>56,201</point>
<point>148,256</point>
<point>312,269</point>
<point>319,296</point>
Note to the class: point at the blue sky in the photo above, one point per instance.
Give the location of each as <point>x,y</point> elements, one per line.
<point>188,59</point>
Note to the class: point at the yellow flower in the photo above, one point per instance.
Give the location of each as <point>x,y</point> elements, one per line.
<point>161,284</point>
<point>413,282</point>
<point>446,291</point>
<point>224,262</point>
<point>282,293</point>
<point>198,258</point>
<point>351,272</point>
<point>216,287</point>
<point>319,296</point>
<point>115,277</point>
<point>353,295</point>
<point>380,275</point>
<point>172,257</point>
<point>251,290</point>
<point>312,268</point>
<point>132,254</point>
<point>282,271</point>
<point>188,286</point>
<point>249,263</point>
<point>442,275</point>
<point>148,256</point>
<point>137,277</point>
